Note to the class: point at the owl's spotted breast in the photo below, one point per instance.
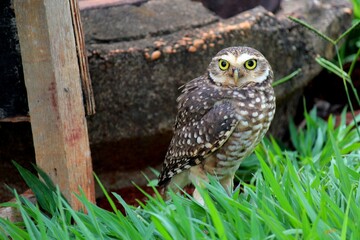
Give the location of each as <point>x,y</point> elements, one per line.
<point>254,117</point>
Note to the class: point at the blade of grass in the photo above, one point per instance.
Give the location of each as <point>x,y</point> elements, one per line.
<point>274,225</point>
<point>353,63</point>
<point>12,230</point>
<point>257,231</point>
<point>65,220</point>
<point>311,211</point>
<point>311,28</point>
<point>276,188</point>
<point>90,214</point>
<point>345,181</point>
<point>82,227</point>
<point>164,226</point>
<point>134,219</point>
<point>333,68</point>
<point>111,202</point>
<point>42,192</point>
<point>29,224</point>
<point>214,214</point>
<point>286,78</point>
<point>346,89</point>
<point>350,29</point>
<point>346,218</point>
<point>186,224</point>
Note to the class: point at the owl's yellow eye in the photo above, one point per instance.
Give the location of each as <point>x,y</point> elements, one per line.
<point>250,64</point>
<point>223,64</point>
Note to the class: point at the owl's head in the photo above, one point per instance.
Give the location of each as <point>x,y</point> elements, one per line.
<point>237,66</point>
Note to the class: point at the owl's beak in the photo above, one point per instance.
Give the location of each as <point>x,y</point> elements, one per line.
<point>236,75</point>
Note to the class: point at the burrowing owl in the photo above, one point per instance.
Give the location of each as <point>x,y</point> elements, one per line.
<point>222,116</point>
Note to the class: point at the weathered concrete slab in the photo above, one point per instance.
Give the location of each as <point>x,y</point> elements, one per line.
<point>140,55</point>
<point>151,19</point>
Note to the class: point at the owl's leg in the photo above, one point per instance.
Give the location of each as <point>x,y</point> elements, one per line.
<point>198,176</point>
<point>179,181</point>
<point>228,183</point>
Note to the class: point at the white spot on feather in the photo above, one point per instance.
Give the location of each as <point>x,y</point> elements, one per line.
<point>208,145</point>
<point>243,112</point>
<point>221,156</point>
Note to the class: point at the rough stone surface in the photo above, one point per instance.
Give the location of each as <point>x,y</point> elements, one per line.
<point>140,55</point>
<point>137,72</point>
<point>151,19</point>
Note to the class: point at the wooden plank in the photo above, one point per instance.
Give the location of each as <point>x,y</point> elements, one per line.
<point>53,86</point>
<point>16,119</point>
<point>89,100</point>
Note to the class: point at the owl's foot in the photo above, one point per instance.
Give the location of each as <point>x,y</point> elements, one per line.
<point>198,198</point>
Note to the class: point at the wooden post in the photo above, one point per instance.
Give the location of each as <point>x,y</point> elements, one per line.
<point>52,79</point>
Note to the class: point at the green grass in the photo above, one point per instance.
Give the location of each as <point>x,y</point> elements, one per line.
<point>309,192</point>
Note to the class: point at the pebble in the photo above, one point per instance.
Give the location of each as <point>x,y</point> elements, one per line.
<point>155,55</point>
<point>198,42</point>
<point>192,49</point>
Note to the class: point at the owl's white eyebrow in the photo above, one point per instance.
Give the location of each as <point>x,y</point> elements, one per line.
<point>237,60</point>
<point>230,58</point>
<point>242,58</point>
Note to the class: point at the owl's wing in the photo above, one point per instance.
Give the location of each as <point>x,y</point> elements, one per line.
<point>203,133</point>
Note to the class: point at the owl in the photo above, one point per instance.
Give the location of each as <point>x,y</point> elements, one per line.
<point>222,116</point>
